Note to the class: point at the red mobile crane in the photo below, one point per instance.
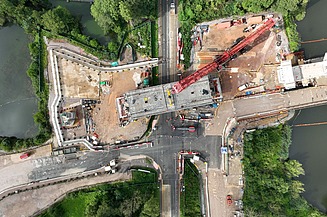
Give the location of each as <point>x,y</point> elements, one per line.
<point>221,60</point>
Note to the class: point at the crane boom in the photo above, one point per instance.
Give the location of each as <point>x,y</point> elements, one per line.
<point>221,60</point>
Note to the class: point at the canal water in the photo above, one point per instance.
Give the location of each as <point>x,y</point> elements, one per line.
<point>312,27</point>
<point>82,10</point>
<point>309,144</point>
<point>18,102</point>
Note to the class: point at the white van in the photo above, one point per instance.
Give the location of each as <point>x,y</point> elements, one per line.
<point>243,87</point>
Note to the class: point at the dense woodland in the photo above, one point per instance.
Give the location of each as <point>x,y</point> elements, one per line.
<point>271,188</point>
<point>196,11</point>
<point>139,197</point>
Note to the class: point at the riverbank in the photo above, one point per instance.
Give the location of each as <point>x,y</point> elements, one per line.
<point>276,193</point>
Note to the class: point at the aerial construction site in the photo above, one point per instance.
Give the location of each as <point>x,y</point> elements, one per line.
<point>243,75</point>
<point>232,59</point>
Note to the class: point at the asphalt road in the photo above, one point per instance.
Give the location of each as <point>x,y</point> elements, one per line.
<point>165,41</point>
<point>167,144</point>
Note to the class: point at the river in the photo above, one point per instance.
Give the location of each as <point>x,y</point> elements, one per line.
<point>18,102</point>
<point>309,144</point>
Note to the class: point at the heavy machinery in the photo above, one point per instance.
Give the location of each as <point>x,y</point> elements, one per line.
<point>223,59</point>
<point>191,129</point>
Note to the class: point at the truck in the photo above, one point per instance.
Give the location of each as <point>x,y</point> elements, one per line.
<point>189,129</point>
<point>107,168</point>
<point>243,87</point>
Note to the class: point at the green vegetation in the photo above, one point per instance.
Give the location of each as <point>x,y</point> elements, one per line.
<point>291,32</point>
<point>59,20</point>
<point>126,20</point>
<point>190,196</point>
<point>138,197</point>
<point>271,189</point>
<point>154,51</point>
<point>196,11</point>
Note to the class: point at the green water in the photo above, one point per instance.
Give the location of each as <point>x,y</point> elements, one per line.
<point>309,144</point>
<point>17,99</point>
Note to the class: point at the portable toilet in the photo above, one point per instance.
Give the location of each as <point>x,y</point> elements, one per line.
<point>146,82</point>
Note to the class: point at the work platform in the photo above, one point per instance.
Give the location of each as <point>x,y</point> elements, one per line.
<point>159,99</point>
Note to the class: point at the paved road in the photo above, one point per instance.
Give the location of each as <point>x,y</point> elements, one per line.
<point>46,170</point>
<point>268,104</point>
<point>165,71</point>
<point>167,144</point>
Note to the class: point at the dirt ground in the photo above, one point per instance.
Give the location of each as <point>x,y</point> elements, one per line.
<point>78,81</point>
<point>106,117</point>
<point>258,65</point>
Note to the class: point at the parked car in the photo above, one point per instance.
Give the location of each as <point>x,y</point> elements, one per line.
<point>229,200</point>
<point>247,29</point>
<point>172,5</point>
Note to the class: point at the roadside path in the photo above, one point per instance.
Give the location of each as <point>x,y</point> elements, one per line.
<point>31,203</point>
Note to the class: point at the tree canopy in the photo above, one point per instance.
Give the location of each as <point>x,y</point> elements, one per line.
<point>138,197</point>
<point>114,15</point>
<point>59,20</point>
<point>271,189</point>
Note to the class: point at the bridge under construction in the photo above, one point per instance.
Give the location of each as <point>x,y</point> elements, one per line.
<point>192,91</point>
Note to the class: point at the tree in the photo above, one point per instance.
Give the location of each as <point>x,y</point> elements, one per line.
<point>107,15</point>
<point>297,187</point>
<point>137,9</point>
<point>114,15</point>
<point>59,21</point>
<point>151,208</point>
<point>293,168</point>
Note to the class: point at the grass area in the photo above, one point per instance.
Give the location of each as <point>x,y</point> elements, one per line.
<point>149,128</point>
<point>190,202</point>
<point>71,206</point>
<point>138,197</point>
